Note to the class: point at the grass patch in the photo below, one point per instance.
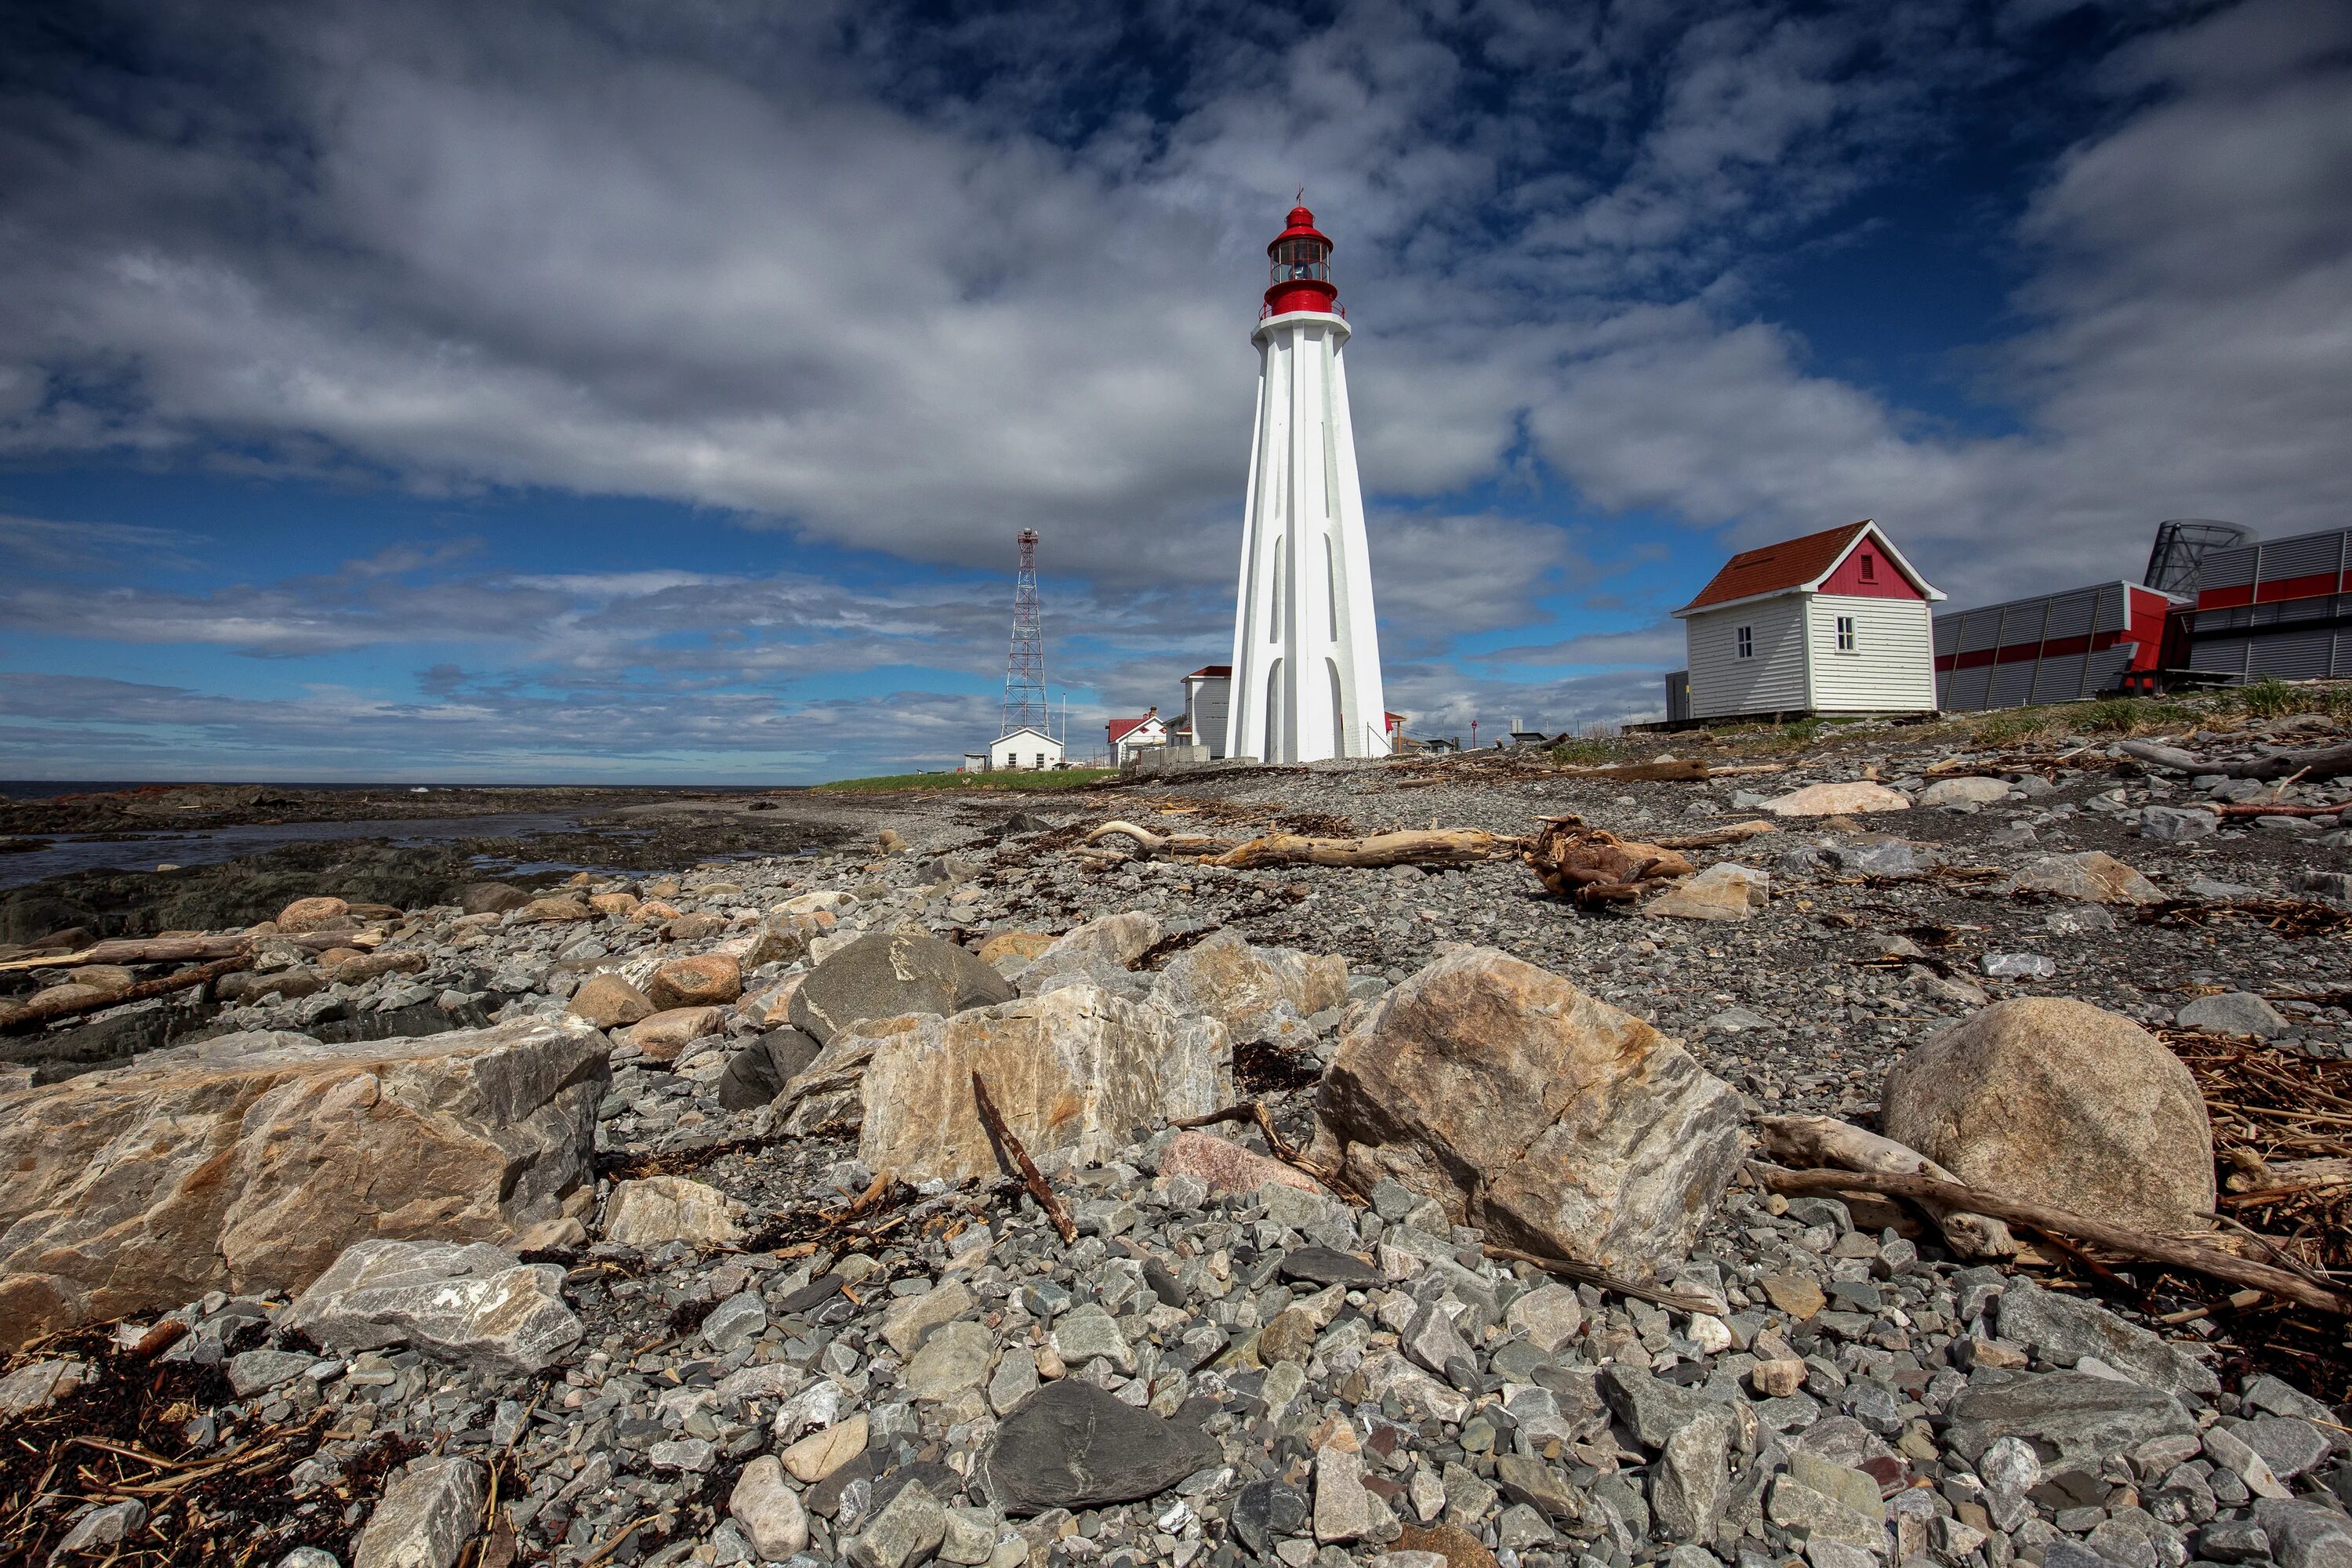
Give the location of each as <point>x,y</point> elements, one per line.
<point>1018,782</point>
<point>2013,726</point>
<point>1583,750</point>
<point>2271,697</point>
<point>1794,737</point>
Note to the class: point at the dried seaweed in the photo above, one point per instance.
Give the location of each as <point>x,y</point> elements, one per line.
<point>122,1437</point>
<point>2300,919</point>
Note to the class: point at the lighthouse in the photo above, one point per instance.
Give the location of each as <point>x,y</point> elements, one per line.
<point>1307,653</point>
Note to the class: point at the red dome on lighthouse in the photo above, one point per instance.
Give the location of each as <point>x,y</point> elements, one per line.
<point>1299,267</point>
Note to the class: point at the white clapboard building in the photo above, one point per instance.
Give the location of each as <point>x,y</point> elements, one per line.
<point>1834,622</point>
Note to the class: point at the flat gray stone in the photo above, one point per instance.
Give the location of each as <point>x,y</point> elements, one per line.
<point>2290,1446</point>
<point>2065,1329</point>
<point>2304,1534</point>
<point>1071,1445</point>
<point>472,1303</point>
<point>2078,1414</point>
<point>2175,823</point>
<point>1086,1332</point>
<point>2233,1012</point>
<point>1654,1411</point>
<point>736,1322</point>
<point>913,1523</point>
<point>953,1359</point>
<point>257,1371</point>
<point>425,1517</point>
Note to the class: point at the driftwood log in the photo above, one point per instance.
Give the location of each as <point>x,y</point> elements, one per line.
<point>35,1013</point>
<point>1824,1140</point>
<point>2274,808</point>
<point>2063,1222</point>
<point>2272,1181</point>
<point>1455,846</point>
<point>1737,833</point>
<point>1448,848</point>
<point>2328,763</point>
<point>1688,770</point>
<point>177,949</point>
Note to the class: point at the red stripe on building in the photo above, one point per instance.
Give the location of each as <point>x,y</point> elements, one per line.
<point>2027,652</point>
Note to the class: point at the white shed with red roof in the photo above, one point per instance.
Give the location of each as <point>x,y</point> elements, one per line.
<point>1836,622</point>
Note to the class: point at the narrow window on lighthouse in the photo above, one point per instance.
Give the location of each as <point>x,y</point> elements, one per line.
<point>1274,611</point>
<point>1332,587</point>
<point>1274,714</point>
<point>1330,437</point>
<point>1338,715</point>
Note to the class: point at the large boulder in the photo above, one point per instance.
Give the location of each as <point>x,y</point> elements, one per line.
<point>248,1163</point>
<point>2056,1101</point>
<point>657,1209</point>
<point>2090,877</point>
<point>493,898</point>
<point>469,1302</point>
<point>609,1002</point>
<point>709,980</point>
<point>1838,800</point>
<point>1119,939</point>
<point>1721,892</point>
<point>1078,1069</point>
<point>890,974</point>
<point>758,1072</point>
<point>1524,1105</point>
<point>1250,990</point>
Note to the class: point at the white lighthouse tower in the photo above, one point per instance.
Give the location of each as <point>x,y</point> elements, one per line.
<point>1307,652</point>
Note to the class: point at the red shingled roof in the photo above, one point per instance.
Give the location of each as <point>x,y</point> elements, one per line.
<point>1121,727</point>
<point>1776,568</point>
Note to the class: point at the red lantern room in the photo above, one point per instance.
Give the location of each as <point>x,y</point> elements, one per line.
<point>1300,268</point>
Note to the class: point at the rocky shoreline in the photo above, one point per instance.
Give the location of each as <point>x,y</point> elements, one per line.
<point>652,1219</point>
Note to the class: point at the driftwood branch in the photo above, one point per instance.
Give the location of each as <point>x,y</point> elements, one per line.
<point>2274,808</point>
<point>1452,847</point>
<point>1601,1279</point>
<point>1681,771</point>
<point>1254,1113</point>
<point>1031,1177</point>
<point>170,949</point>
<point>2044,1217</point>
<point>1824,1140</point>
<point>1160,843</point>
<point>1460,847</point>
<point>35,1013</point>
<point>2328,763</point>
<point>1736,834</point>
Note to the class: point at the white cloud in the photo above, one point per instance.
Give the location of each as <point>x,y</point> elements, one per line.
<point>905,285</point>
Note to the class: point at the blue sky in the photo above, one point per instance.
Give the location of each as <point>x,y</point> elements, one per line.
<point>569,392</point>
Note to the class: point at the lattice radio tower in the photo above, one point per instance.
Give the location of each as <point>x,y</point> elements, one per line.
<point>1024,668</point>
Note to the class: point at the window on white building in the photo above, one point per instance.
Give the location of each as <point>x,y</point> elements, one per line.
<point>1746,638</point>
<point>1845,634</point>
<point>1041,759</point>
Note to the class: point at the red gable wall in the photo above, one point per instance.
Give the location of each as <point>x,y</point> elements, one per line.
<point>1889,581</point>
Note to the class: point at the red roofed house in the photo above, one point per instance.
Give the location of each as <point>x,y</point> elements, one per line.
<point>1129,736</point>
<point>1832,622</point>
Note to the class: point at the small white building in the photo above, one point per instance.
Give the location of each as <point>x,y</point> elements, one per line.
<point>1129,736</point>
<point>1836,622</point>
<point>1208,691</point>
<point>1026,747</point>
